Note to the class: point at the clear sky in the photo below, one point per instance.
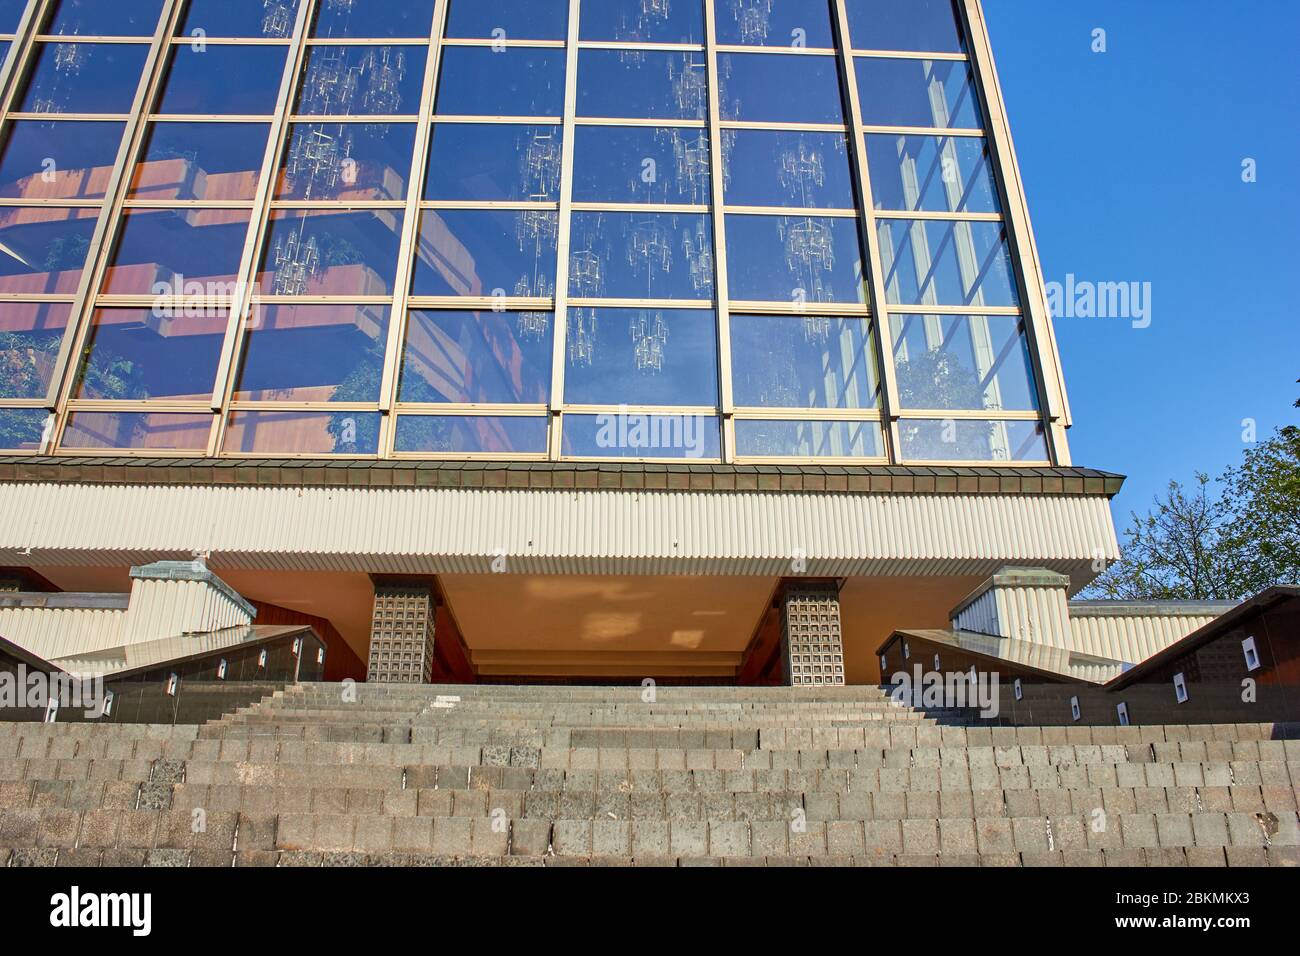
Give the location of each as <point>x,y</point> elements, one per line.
<point>1132,161</point>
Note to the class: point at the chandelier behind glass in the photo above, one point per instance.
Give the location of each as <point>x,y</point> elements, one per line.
<point>297,261</point>
<point>586,281</point>
<point>809,243</point>
<point>277,21</point>
<point>753,17</point>
<point>690,83</point>
<point>69,58</point>
<point>698,247</point>
<point>318,158</point>
<point>651,13</point>
<point>649,336</point>
<point>539,168</point>
<point>649,251</point>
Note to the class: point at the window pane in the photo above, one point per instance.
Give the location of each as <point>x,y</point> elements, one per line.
<point>494,161</point>
<point>362,81</point>
<point>373,19</point>
<point>302,433</point>
<point>314,353</point>
<point>931,173</point>
<point>938,93</point>
<point>21,429</point>
<point>477,252</point>
<point>11,14</point>
<point>933,262</point>
<point>807,170</point>
<point>242,18</point>
<point>213,161</point>
<point>950,440</point>
<point>473,435</point>
<point>350,162</point>
<point>84,78</point>
<point>137,354</point>
<point>136,431</point>
<point>58,160</point>
<point>199,83</point>
<point>520,19</point>
<point>44,249</point>
<point>795,259</point>
<point>641,164</point>
<point>95,18</point>
<point>775,22</point>
<point>643,21</point>
<point>788,361</point>
<point>632,435</point>
<point>768,88</point>
<point>641,256</point>
<point>640,84</point>
<point>478,357</point>
<point>331,252</point>
<point>642,357</point>
<point>786,439</point>
<point>177,248</point>
<point>30,336</point>
<point>476,81</point>
<point>963,362</point>
<point>927,26</point>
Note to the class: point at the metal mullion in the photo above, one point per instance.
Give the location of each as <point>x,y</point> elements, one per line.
<point>889,393</point>
<point>333,205</point>
<point>635,208</point>
<point>776,50</point>
<point>909,55</point>
<point>721,285</point>
<point>1020,235</point>
<point>640,121</point>
<point>798,212</point>
<point>409,243</point>
<point>37,297</point>
<point>487,119</point>
<point>475,303</point>
<point>52,203</point>
<point>956,309</point>
<point>259,223</point>
<point>703,411</point>
<point>394,119</point>
<point>19,58</point>
<point>837,309</point>
<point>508,44</point>
<point>510,205</point>
<point>72,117</point>
<point>265,119</point>
<point>472,409</point>
<point>975,415</point>
<point>778,127</point>
<point>941,131</point>
<point>646,47</point>
<point>99,40</point>
<point>644,303</point>
<point>560,319</point>
<point>186,204</point>
<point>81,320</point>
<point>940,216</point>
<point>365,41</point>
<point>758,413</point>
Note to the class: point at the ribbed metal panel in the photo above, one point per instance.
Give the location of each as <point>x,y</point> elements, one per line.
<point>1036,614</point>
<point>57,632</point>
<point>1132,638</point>
<point>162,608</point>
<point>585,532</point>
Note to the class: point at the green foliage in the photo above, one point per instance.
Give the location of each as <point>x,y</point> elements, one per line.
<point>934,379</point>
<point>362,385</point>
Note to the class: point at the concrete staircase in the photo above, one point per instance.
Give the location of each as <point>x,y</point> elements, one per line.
<point>330,774</point>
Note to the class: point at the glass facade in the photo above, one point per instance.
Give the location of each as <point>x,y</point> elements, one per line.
<point>679,230</point>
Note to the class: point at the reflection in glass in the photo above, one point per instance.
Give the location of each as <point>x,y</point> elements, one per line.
<point>22,429</point>
<point>331,252</point>
<point>471,435</point>
<point>963,440</point>
<point>792,361</point>
<point>302,433</point>
<point>314,353</point>
<point>963,362</point>
<point>790,439</point>
<point>800,169</point>
<point>212,161</point>
<point>520,19</point>
<point>95,18</point>
<point>177,248</point>
<point>931,173</point>
<point>83,78</point>
<point>361,81</point>
<point>621,255</point>
<point>58,160</point>
<point>199,82</point>
<point>242,18</point>
<point>30,336</point>
<point>643,21</point>
<point>137,354</point>
<point>373,19</point>
<point>43,250</point>
<point>800,259</point>
<point>925,26</point>
<point>473,252</point>
<point>641,84</point>
<point>936,262</point>
<point>136,431</point>
<point>904,92</point>
<point>641,164</point>
<point>519,81</point>
<point>495,162</point>
<point>348,162</point>
<point>11,14</point>
<point>475,358</point>
<point>775,23</point>
<point>622,434</point>
<point>769,88</point>
<point>647,357</point>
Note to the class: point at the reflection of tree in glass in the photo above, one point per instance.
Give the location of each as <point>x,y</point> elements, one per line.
<point>25,361</point>
<point>934,379</point>
<point>67,253</point>
<point>362,385</point>
<point>20,428</point>
<point>106,376</point>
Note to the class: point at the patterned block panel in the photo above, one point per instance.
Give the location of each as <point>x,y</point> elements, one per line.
<point>812,640</point>
<point>401,635</point>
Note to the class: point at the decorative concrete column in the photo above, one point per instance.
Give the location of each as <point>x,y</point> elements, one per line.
<point>401,634</point>
<point>173,598</point>
<point>1028,604</point>
<point>812,640</point>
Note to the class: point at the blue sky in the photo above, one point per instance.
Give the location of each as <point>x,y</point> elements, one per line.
<point>1132,161</point>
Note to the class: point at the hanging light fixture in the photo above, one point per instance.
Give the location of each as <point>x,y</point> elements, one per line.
<point>539,168</point>
<point>297,262</point>
<point>278,19</point>
<point>649,337</point>
<point>753,17</point>
<point>318,158</point>
<point>809,243</point>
